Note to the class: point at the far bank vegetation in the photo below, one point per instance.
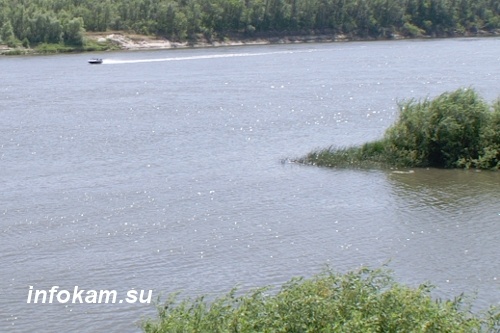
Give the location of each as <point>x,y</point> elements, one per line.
<point>454,130</point>
<point>25,24</point>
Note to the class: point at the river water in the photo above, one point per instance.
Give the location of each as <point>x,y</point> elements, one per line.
<point>163,171</point>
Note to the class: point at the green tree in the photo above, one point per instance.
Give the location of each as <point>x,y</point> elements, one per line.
<point>44,28</point>
<point>46,20</point>
<point>7,35</point>
<point>73,32</point>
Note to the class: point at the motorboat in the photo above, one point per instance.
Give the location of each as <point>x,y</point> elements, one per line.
<point>95,61</point>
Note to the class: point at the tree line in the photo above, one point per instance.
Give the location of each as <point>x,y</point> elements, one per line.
<point>65,21</point>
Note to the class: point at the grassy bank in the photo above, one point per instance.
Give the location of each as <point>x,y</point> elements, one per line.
<point>360,301</point>
<point>454,130</point>
<point>90,45</point>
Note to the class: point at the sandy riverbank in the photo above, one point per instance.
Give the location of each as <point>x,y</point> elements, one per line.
<point>140,42</point>
<point>128,41</point>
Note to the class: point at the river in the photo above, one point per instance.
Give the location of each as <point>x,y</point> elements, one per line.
<point>163,170</point>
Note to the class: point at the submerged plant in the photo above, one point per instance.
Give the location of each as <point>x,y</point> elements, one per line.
<point>368,155</point>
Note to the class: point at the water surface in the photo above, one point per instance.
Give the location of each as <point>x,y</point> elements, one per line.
<point>162,170</point>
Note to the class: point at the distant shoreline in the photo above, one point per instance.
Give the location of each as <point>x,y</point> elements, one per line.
<point>120,40</point>
<point>126,41</point>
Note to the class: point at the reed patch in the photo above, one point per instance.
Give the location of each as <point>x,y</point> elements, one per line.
<point>454,130</point>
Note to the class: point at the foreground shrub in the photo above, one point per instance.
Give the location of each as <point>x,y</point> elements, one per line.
<point>361,301</point>
<point>457,129</point>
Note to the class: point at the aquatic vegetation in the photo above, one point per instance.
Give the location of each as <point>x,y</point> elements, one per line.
<point>359,301</point>
<point>371,154</point>
<point>457,129</point>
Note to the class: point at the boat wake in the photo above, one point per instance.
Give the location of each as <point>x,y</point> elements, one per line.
<point>212,56</point>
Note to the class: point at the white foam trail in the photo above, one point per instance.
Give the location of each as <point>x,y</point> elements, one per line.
<point>213,56</point>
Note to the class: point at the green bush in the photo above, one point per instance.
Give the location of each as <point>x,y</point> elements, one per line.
<point>47,48</point>
<point>457,129</point>
<point>360,301</point>
<point>440,132</point>
<point>490,141</point>
<point>412,30</point>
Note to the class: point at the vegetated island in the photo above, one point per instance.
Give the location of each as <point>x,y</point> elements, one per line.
<point>359,301</point>
<point>44,26</point>
<point>454,130</point>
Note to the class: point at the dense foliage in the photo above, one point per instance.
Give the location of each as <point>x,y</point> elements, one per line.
<point>357,302</point>
<point>457,129</point>
<point>454,130</point>
<point>58,21</point>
